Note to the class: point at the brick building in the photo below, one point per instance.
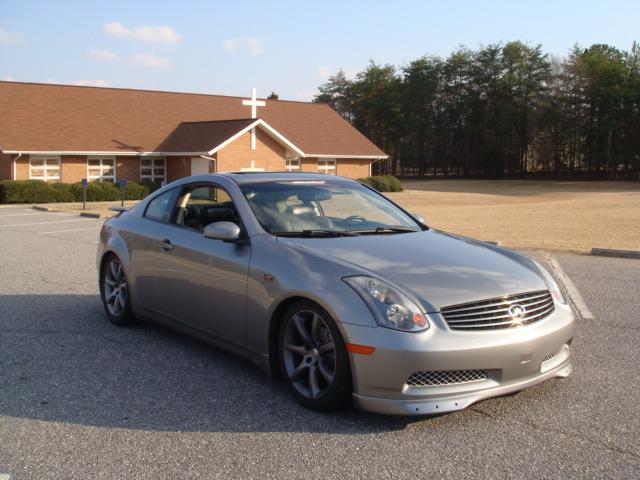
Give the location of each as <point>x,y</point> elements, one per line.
<point>62,133</point>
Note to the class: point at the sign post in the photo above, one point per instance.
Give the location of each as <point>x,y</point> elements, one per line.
<point>123,187</point>
<point>84,183</point>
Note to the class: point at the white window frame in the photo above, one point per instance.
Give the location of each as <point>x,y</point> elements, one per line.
<point>292,164</point>
<point>50,163</point>
<point>102,167</point>
<point>327,166</point>
<point>153,177</point>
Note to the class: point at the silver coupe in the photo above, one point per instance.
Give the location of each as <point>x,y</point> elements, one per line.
<point>333,287</point>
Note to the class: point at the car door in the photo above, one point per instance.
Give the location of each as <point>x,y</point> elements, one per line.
<point>202,282</point>
<point>143,242</point>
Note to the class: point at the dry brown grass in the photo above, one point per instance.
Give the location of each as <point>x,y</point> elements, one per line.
<point>574,216</point>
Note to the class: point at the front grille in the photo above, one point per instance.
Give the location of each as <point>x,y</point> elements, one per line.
<point>448,377</point>
<point>501,312</point>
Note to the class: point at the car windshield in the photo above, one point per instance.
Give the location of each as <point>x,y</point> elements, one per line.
<point>324,208</point>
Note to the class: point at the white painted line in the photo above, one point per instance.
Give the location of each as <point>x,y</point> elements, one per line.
<point>47,223</point>
<point>572,291</point>
<point>70,230</point>
<point>4,476</point>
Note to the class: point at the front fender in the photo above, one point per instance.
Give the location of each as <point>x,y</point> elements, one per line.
<point>279,272</point>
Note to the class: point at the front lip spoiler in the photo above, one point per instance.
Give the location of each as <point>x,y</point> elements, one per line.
<point>453,402</point>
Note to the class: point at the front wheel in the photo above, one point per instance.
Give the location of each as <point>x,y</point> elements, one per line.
<point>313,358</point>
<point>114,291</point>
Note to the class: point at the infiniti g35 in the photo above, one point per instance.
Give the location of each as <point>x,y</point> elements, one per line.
<point>328,284</point>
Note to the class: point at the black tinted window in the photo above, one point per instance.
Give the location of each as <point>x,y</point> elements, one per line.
<point>160,207</point>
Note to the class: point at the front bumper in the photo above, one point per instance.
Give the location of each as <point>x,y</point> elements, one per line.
<point>515,359</point>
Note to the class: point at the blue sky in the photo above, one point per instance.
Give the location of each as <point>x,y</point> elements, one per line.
<point>286,46</point>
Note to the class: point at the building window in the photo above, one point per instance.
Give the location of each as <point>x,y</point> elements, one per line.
<point>153,169</point>
<point>101,168</point>
<point>292,164</point>
<point>327,165</point>
<point>44,168</point>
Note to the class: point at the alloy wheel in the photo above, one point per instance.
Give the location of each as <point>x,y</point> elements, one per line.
<point>309,354</point>
<point>115,288</point>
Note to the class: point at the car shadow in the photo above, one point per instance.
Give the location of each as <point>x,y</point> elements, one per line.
<point>62,361</point>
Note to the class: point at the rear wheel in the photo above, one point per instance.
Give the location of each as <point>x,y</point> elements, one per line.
<point>313,358</point>
<point>114,291</point>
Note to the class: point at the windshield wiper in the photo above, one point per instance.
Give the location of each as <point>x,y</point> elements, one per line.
<point>316,233</point>
<point>384,230</point>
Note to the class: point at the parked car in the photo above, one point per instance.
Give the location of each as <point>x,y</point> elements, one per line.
<point>335,288</point>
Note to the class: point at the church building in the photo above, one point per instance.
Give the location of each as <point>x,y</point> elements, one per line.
<point>61,133</point>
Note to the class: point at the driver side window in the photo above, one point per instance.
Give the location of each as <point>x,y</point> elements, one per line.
<point>204,204</point>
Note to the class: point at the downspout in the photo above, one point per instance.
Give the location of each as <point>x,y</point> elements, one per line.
<point>13,166</point>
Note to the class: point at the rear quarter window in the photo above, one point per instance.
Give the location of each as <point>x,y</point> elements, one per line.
<point>160,208</point>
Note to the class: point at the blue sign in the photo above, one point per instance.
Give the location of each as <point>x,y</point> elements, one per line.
<point>123,182</point>
<point>84,182</point>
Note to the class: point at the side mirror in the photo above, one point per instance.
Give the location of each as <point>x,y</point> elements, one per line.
<point>225,231</point>
<point>419,218</point>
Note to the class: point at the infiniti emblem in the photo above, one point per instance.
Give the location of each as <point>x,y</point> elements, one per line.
<point>517,312</point>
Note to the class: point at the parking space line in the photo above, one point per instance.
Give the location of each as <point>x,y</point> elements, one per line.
<point>69,230</point>
<point>47,223</point>
<point>572,291</point>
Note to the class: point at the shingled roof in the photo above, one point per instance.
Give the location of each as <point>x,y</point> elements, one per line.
<point>63,118</point>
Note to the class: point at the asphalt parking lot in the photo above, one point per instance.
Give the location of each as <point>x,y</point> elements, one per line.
<point>82,399</point>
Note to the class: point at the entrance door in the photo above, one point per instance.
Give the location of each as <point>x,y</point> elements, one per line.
<point>199,166</point>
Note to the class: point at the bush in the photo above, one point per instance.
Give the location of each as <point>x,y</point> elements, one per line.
<point>394,183</point>
<point>27,191</point>
<point>153,186</point>
<point>37,191</point>
<point>383,183</point>
<point>63,192</point>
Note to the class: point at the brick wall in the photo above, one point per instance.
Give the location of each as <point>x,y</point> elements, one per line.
<point>353,167</point>
<point>269,154</point>
<point>73,168</point>
<point>6,166</point>
<point>178,167</point>
<point>22,168</point>
<point>345,167</point>
<point>129,168</point>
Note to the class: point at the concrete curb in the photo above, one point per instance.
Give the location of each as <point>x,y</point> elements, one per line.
<point>612,252</point>
<point>91,215</point>
<point>43,209</point>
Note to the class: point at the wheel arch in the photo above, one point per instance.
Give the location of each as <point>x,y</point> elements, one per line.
<point>277,317</point>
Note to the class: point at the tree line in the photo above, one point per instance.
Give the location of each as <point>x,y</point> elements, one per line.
<point>502,110</point>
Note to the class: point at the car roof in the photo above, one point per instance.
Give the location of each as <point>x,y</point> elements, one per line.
<point>244,178</point>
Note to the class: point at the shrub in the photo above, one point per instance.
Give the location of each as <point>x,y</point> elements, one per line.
<point>383,183</point>
<point>27,191</point>
<point>153,186</point>
<point>394,183</point>
<point>37,191</point>
<point>63,192</point>
<point>365,181</point>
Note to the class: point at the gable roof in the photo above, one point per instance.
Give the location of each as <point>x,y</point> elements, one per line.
<point>202,136</point>
<point>63,118</point>
<point>211,136</point>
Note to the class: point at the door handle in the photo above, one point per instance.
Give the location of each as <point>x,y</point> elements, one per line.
<point>166,245</point>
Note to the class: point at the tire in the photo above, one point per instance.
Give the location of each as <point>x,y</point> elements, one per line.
<point>313,358</point>
<point>114,292</point>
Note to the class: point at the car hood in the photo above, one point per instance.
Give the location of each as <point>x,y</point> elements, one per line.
<point>440,269</point>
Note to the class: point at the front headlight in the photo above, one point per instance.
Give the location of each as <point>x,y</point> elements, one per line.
<point>556,293</point>
<point>390,307</point>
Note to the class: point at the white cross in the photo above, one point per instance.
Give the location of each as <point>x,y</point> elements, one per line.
<point>253,103</point>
